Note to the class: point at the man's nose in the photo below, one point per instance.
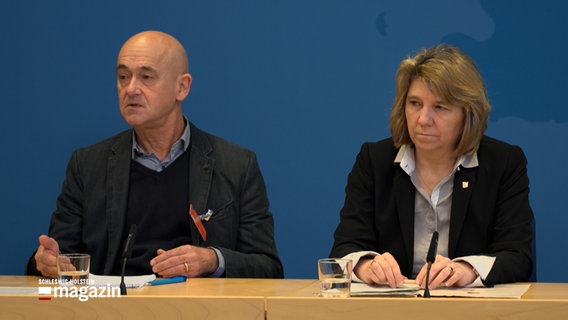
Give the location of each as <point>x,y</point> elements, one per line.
<point>133,87</point>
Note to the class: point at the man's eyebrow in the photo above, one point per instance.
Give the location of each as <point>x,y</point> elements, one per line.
<point>142,68</point>
<point>147,68</point>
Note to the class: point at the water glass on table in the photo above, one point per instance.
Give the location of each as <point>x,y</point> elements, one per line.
<point>335,277</point>
<point>73,268</point>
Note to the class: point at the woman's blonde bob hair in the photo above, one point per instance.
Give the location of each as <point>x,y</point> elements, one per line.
<point>452,75</point>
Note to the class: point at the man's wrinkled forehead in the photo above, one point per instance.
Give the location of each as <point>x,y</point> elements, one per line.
<point>152,51</point>
<point>142,68</point>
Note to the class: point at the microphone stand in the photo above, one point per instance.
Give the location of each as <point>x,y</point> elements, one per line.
<point>430,258</point>
<point>125,255</point>
<point>122,284</point>
<point>427,289</point>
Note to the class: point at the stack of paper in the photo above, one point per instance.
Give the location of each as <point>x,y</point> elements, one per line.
<point>114,281</point>
<point>511,290</point>
<point>363,289</point>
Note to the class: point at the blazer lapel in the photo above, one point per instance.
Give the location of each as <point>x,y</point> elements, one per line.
<point>118,180</point>
<point>200,175</point>
<point>464,182</point>
<point>404,194</point>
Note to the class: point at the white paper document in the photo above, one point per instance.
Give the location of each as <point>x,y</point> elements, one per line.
<point>18,290</point>
<point>511,290</point>
<point>363,289</point>
<point>130,281</point>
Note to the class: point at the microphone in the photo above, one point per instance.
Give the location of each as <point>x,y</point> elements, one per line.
<point>430,258</point>
<point>125,255</point>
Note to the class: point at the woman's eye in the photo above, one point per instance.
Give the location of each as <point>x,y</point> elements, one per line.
<point>414,103</point>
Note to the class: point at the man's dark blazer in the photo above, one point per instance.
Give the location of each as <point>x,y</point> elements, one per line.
<point>490,214</point>
<point>224,177</point>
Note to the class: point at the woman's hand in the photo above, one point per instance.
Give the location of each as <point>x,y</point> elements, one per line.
<point>381,269</point>
<point>446,272</point>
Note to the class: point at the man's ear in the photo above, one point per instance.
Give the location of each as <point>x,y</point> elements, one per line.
<point>184,85</point>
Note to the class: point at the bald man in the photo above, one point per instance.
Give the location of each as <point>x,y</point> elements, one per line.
<point>149,176</point>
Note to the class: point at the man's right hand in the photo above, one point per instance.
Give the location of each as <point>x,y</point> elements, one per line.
<point>46,256</point>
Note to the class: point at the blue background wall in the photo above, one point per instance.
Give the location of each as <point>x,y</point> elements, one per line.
<point>301,82</point>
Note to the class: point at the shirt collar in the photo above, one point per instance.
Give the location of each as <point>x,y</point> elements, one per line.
<point>405,158</point>
<point>184,140</point>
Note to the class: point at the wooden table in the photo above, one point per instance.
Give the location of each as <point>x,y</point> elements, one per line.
<point>274,299</point>
<point>543,301</point>
<point>194,299</point>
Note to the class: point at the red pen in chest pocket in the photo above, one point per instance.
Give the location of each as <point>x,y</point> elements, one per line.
<point>197,222</point>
